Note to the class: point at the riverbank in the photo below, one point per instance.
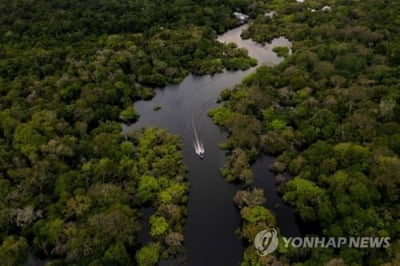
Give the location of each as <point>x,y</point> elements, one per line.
<point>210,237</point>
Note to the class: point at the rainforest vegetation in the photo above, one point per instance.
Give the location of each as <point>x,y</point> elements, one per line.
<point>331,113</point>
<point>71,185</point>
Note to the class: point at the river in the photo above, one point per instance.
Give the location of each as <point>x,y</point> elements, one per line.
<point>212,217</point>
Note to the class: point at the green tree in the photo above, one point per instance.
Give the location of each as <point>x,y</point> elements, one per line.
<point>129,114</point>
<point>14,251</point>
<point>305,196</point>
<point>147,189</point>
<point>148,255</point>
<point>159,225</point>
<point>117,255</point>
<point>257,214</point>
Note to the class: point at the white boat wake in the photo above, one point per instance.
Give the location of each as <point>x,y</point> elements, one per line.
<point>195,129</point>
<point>197,143</point>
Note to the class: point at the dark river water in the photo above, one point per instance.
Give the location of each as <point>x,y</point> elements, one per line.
<point>212,217</point>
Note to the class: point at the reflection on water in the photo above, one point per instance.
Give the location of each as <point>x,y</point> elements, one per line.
<point>264,178</point>
<point>212,218</point>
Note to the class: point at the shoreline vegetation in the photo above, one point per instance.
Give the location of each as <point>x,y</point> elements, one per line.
<point>330,113</point>
<point>71,186</point>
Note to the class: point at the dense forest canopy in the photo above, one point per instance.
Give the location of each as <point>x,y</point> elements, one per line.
<point>71,186</point>
<point>331,113</point>
<point>152,42</point>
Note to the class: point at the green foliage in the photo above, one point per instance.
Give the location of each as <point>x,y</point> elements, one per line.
<point>79,203</point>
<point>255,219</point>
<point>277,125</point>
<point>128,114</point>
<point>71,186</point>
<point>352,155</point>
<point>282,51</point>
<point>386,174</point>
<point>306,196</point>
<point>240,63</point>
<point>221,115</point>
<point>159,225</point>
<point>157,107</point>
<point>257,214</point>
<point>237,167</point>
<point>13,251</point>
<point>148,255</point>
<point>173,194</point>
<point>329,110</point>
<point>117,254</point>
<point>147,189</point>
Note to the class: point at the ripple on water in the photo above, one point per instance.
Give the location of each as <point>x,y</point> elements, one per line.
<point>212,217</point>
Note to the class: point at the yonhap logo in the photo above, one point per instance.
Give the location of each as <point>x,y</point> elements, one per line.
<point>266,242</point>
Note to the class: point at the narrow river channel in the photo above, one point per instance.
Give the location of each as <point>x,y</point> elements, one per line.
<point>212,218</point>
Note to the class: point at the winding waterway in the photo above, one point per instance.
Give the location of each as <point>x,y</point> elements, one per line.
<point>212,218</point>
